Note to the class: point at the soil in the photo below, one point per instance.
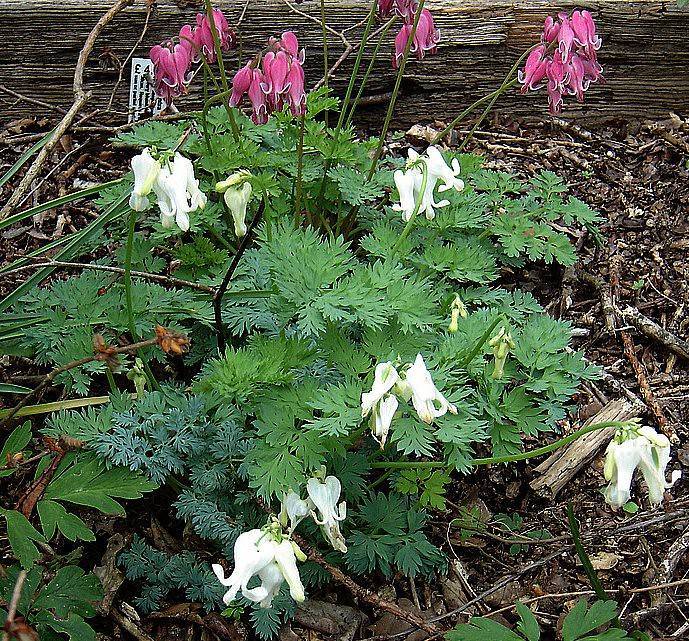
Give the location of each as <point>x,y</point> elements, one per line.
<point>637,177</point>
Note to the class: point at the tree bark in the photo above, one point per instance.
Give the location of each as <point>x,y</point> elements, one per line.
<point>644,54</point>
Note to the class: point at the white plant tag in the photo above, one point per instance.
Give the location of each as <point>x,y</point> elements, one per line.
<point>142,99</point>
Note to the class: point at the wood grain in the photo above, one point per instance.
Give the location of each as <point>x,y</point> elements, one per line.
<point>645,52</point>
<point>563,465</point>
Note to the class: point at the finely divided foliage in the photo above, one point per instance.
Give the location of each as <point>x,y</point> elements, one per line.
<point>369,355</point>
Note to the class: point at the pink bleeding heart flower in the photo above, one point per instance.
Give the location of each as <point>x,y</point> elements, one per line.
<point>289,43</point>
<point>557,71</point>
<point>385,8</point>
<point>171,65</point>
<point>565,37</point>
<point>240,84</point>
<point>577,82</point>
<point>554,100</point>
<point>593,71</point>
<point>296,95</point>
<point>203,35</point>
<point>401,44</point>
<point>427,36</point>
<point>258,98</point>
<point>584,28</point>
<point>406,9</point>
<point>551,29</point>
<point>276,67</point>
<point>534,72</point>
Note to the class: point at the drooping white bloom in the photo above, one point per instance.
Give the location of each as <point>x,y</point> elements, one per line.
<point>418,385</point>
<point>286,560</point>
<point>294,510</point>
<point>258,553</point>
<point>184,168</point>
<point>237,190</point>
<point>408,184</point>
<point>382,416</point>
<point>416,185</point>
<point>647,450</point>
<point>253,551</point>
<point>439,168</point>
<point>146,170</point>
<point>325,495</point>
<point>384,380</point>
<point>178,193</point>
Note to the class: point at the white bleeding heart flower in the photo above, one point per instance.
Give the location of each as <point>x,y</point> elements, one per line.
<point>439,168</point>
<point>253,551</point>
<point>146,170</point>
<point>269,556</point>
<point>384,380</point>
<point>645,449</point>
<point>294,510</point>
<point>237,193</point>
<point>178,193</point>
<point>408,185</point>
<point>382,416</point>
<point>325,496</point>
<point>418,385</point>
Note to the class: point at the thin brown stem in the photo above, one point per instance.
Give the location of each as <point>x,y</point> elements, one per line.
<point>50,376</point>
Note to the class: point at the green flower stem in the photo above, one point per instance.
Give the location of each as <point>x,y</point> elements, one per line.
<point>325,56</point>
<point>469,109</point>
<point>128,275</point>
<point>300,169</point>
<point>410,223</point>
<point>506,84</point>
<point>128,294</point>
<point>482,341</point>
<point>368,71</point>
<point>221,66</point>
<point>346,99</point>
<point>510,458</point>
<point>490,98</point>
<point>395,93</point>
<point>111,379</point>
<point>357,64</point>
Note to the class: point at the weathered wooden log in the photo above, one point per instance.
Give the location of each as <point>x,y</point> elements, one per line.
<point>645,52</point>
<point>563,465</point>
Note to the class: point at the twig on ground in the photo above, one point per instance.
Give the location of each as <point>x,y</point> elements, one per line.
<point>34,492</point>
<point>465,606</point>
<point>32,101</point>
<point>651,329</point>
<point>220,292</point>
<point>363,593</point>
<point>675,554</point>
<point>129,626</point>
<point>102,353</point>
<point>606,299</point>
<point>569,595</point>
<point>646,392</point>
<point>81,97</point>
<point>156,278</point>
<point>14,603</point>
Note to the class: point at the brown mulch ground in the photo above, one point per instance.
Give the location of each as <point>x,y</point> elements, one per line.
<point>637,176</point>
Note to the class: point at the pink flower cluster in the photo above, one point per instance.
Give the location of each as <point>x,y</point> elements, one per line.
<point>273,81</point>
<point>172,61</point>
<point>566,60</point>
<point>426,37</point>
